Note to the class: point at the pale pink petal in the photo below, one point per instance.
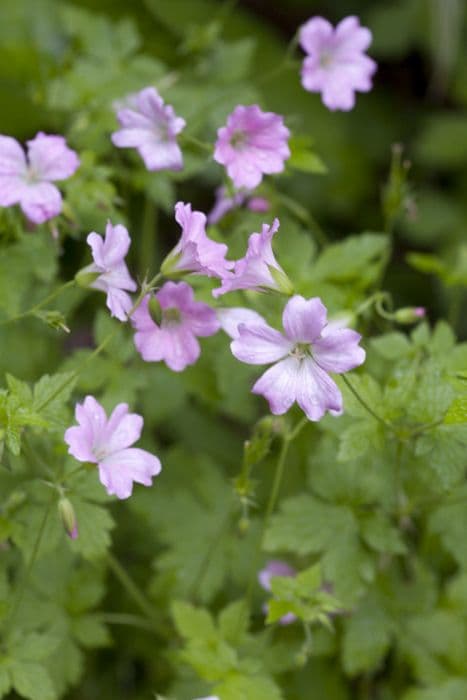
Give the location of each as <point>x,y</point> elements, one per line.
<point>119,303</point>
<point>161,156</point>
<point>96,243</point>
<point>12,189</point>
<point>50,158</point>
<point>230,319</point>
<point>118,471</point>
<point>316,392</point>
<point>279,385</point>
<point>351,37</point>
<point>181,348</point>
<point>338,351</point>
<point>41,202</point>
<point>116,244</point>
<point>315,33</point>
<point>202,320</point>
<point>304,319</point>
<point>12,157</point>
<point>258,345</point>
<point>79,441</point>
<point>122,429</point>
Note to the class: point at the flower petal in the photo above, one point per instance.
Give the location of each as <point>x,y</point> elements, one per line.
<point>50,158</point>
<point>230,319</point>
<point>118,471</point>
<point>316,391</point>
<point>279,385</point>
<point>338,351</point>
<point>122,429</point>
<point>259,344</point>
<point>41,202</point>
<point>12,157</point>
<point>12,189</point>
<point>116,244</point>
<point>304,319</point>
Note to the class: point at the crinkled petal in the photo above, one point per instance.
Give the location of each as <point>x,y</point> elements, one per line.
<point>304,319</point>
<point>12,157</point>
<point>161,155</point>
<point>316,391</point>
<point>259,344</point>
<point>81,439</point>
<point>339,351</point>
<point>230,319</point>
<point>41,202</point>
<point>119,303</point>
<point>50,158</point>
<point>96,243</point>
<point>202,320</point>
<point>279,385</point>
<point>116,244</point>
<point>118,471</point>
<point>122,429</point>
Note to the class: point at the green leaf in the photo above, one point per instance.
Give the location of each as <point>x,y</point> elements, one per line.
<point>90,631</point>
<point>453,689</point>
<point>32,681</point>
<point>457,412</point>
<point>449,521</point>
<point>381,535</point>
<point>444,449</point>
<point>357,259</point>
<point>303,157</point>
<point>233,622</point>
<point>51,394</point>
<point>248,688</point>
<point>193,623</point>
<point>94,526</point>
<point>366,640</point>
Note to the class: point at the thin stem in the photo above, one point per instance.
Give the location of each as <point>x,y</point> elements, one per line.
<point>131,587</point>
<point>148,240</point>
<point>365,405</point>
<point>44,302</point>
<point>125,619</point>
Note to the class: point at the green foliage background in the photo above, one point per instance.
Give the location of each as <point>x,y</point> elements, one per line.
<point>156,595</point>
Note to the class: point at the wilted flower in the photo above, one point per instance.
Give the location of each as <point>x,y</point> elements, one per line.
<point>303,357</point>
<point>252,143</point>
<point>171,336</point>
<point>259,269</point>
<point>27,180</point>
<point>106,442</point>
<point>195,252</point>
<point>336,65</point>
<point>112,276</point>
<point>150,126</point>
<point>273,568</point>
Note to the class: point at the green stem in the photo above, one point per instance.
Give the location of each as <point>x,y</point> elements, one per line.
<point>365,405</point>
<point>44,302</point>
<point>125,619</point>
<point>148,240</point>
<point>131,588</point>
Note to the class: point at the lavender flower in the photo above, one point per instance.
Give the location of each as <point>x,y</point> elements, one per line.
<point>27,180</point>
<point>106,442</point>
<point>150,126</point>
<point>172,338</point>
<point>252,143</point>
<point>109,264</point>
<point>273,568</point>
<point>195,252</point>
<point>303,357</point>
<point>259,269</point>
<point>336,65</point>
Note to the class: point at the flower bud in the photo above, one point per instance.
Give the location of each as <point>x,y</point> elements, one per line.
<point>155,309</point>
<point>283,283</point>
<point>258,204</point>
<point>85,277</point>
<point>68,517</point>
<point>409,314</point>
<point>169,265</point>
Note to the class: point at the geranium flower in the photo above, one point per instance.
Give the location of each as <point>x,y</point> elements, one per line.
<point>195,252</point>
<point>273,568</point>
<point>27,180</point>
<point>106,442</point>
<point>150,126</point>
<point>252,143</point>
<point>172,337</point>
<point>336,65</point>
<point>109,264</point>
<point>303,357</point>
<point>259,269</point>
<point>230,318</point>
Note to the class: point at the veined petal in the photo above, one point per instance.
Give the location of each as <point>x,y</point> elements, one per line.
<point>119,303</point>
<point>338,351</point>
<point>279,385</point>
<point>231,318</point>
<point>259,344</point>
<point>316,391</point>
<point>304,319</point>
<point>116,244</point>
<point>122,429</point>
<point>118,471</point>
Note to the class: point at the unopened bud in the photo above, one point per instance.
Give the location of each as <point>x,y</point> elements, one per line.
<point>283,283</point>
<point>155,309</point>
<point>85,277</point>
<point>409,314</point>
<point>258,204</point>
<point>169,265</point>
<point>68,517</point>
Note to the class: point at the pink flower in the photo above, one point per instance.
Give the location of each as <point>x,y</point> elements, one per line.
<point>151,127</point>
<point>27,180</point>
<point>109,263</point>
<point>195,252</point>
<point>259,269</point>
<point>303,357</point>
<point>230,319</point>
<point>273,568</point>
<point>106,442</point>
<point>336,65</point>
<point>252,143</point>
<point>172,337</point>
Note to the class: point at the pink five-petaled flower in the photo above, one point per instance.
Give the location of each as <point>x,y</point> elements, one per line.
<point>106,442</point>
<point>273,568</point>
<point>150,126</point>
<point>259,269</point>
<point>252,143</point>
<point>180,319</point>
<point>303,357</point>
<point>27,181</point>
<point>109,264</point>
<point>336,65</point>
<point>195,252</point>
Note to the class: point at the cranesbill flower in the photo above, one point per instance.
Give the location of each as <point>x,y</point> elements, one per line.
<point>150,126</point>
<point>303,355</point>
<point>169,333</point>
<point>195,252</point>
<point>27,180</point>
<point>336,64</point>
<point>231,317</point>
<point>252,143</point>
<point>109,265</point>
<point>106,442</point>
<point>273,568</point>
<point>259,269</point>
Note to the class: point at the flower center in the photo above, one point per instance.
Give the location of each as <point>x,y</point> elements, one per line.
<point>171,316</point>
<point>31,176</point>
<point>238,140</point>
<point>301,351</point>
<point>325,59</point>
